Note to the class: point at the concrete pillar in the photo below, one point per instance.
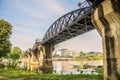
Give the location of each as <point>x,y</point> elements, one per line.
<point>47,66</point>
<point>28,62</point>
<point>106,19</point>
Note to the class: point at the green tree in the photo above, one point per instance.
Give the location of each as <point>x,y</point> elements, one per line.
<point>14,57</point>
<point>16,50</point>
<point>77,58</point>
<point>81,53</point>
<point>5,32</point>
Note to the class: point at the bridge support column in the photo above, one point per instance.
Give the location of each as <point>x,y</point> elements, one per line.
<point>106,19</point>
<point>47,61</point>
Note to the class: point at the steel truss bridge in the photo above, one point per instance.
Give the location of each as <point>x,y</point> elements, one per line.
<point>71,24</point>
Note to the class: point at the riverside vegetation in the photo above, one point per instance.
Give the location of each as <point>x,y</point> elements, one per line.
<point>22,74</point>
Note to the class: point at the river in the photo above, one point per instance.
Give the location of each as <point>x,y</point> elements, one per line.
<point>66,67</point>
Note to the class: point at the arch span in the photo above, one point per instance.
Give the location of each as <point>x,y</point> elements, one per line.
<point>70,25</point>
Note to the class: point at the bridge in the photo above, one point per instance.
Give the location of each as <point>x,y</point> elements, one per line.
<point>103,15</point>
<point>70,25</point>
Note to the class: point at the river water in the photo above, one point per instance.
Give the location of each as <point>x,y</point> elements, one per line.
<point>66,67</point>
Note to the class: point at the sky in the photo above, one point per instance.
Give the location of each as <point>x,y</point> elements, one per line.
<point>32,18</point>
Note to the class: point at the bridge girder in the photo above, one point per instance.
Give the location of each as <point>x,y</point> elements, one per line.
<point>70,25</point>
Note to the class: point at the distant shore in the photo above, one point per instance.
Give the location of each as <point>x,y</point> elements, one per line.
<point>63,59</point>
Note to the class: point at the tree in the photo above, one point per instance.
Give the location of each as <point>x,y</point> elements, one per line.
<point>14,57</point>
<point>81,53</point>
<point>77,58</point>
<point>5,32</point>
<point>16,50</point>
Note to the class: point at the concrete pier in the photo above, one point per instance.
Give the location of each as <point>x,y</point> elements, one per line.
<point>47,60</point>
<point>39,58</point>
<point>106,19</point>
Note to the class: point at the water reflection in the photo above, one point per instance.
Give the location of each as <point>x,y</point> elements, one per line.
<point>65,67</point>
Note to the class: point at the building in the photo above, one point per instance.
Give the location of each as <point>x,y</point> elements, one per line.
<point>65,53</point>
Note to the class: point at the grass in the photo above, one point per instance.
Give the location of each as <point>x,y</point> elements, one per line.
<point>99,70</point>
<point>13,74</point>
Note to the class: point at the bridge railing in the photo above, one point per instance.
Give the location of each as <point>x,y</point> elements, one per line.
<point>63,22</point>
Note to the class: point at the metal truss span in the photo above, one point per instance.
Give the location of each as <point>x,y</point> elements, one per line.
<point>70,25</point>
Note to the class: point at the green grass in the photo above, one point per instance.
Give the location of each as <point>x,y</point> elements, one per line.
<point>99,70</point>
<point>12,74</point>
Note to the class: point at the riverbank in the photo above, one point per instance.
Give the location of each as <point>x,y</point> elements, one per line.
<point>13,74</point>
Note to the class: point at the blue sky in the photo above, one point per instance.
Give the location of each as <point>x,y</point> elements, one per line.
<point>31,19</point>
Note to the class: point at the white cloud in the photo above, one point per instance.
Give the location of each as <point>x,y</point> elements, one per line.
<point>35,32</point>
<point>39,9</point>
<point>29,23</point>
<point>54,6</point>
<point>28,10</point>
<point>23,41</point>
<point>50,6</point>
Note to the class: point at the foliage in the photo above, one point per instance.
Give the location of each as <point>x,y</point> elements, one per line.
<point>77,58</point>
<point>11,74</point>
<point>13,60</point>
<point>99,70</point>
<point>5,32</point>
<point>13,57</point>
<point>97,57</point>
<point>81,53</point>
<point>16,50</point>
<point>117,75</point>
<point>89,56</point>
